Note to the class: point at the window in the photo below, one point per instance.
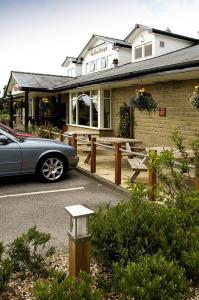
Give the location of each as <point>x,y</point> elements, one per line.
<point>71,72</point>
<point>138,52</point>
<point>84,109</point>
<point>148,50</point>
<point>103,62</point>
<point>107,109</point>
<point>162,44</point>
<point>74,108</point>
<point>98,64</point>
<point>94,109</point>
<point>92,66</point>
<point>87,68</point>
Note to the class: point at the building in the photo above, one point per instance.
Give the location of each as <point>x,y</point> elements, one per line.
<point>106,74</point>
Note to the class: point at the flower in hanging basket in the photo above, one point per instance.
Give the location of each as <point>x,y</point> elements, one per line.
<point>143,101</point>
<point>194,99</point>
<point>44,104</point>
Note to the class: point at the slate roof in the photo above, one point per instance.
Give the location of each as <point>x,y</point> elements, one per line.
<point>163,32</point>
<point>184,58</point>
<point>115,41</point>
<point>39,81</point>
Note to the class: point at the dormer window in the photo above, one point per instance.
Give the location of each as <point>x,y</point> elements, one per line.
<point>147,50</point>
<point>138,52</point>
<point>143,51</point>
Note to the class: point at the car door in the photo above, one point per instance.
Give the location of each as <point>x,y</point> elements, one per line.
<point>10,156</point>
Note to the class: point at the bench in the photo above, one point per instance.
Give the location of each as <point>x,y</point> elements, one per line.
<point>137,165</point>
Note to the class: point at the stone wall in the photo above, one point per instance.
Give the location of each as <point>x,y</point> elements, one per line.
<point>153,129</point>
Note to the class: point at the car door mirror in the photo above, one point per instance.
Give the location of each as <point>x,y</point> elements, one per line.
<point>3,139</point>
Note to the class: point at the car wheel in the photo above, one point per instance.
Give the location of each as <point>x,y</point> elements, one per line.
<point>51,168</point>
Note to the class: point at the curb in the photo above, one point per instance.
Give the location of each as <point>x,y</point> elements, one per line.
<point>104,181</point>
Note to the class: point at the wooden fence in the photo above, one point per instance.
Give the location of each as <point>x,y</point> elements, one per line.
<point>72,140</point>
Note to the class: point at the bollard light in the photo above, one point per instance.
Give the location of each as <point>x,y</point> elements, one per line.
<point>79,239</point>
<point>79,215</point>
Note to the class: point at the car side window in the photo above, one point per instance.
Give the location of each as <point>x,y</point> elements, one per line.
<point>8,140</point>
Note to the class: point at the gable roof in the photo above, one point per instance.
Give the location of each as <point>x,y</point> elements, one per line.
<point>162,32</point>
<point>95,37</point>
<point>177,60</point>
<point>37,81</point>
<point>69,59</point>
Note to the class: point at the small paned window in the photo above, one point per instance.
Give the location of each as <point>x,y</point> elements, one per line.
<point>87,68</point>
<point>92,66</point>
<point>162,44</point>
<point>103,62</point>
<point>138,52</point>
<point>98,64</point>
<point>148,50</point>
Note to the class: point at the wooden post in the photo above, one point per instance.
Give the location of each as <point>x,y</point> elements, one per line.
<point>197,176</point>
<point>74,142</point>
<point>41,131</point>
<point>152,176</point>
<point>117,164</point>
<point>61,136</point>
<point>50,135</point>
<point>37,111</point>
<point>79,256</point>
<point>26,111</point>
<point>93,155</point>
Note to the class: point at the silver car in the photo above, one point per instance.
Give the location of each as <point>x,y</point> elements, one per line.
<point>49,159</point>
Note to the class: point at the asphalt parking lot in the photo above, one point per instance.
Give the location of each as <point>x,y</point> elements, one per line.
<point>25,202</point>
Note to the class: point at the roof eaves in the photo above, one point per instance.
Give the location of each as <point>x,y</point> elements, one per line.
<point>134,74</point>
<point>175,35</point>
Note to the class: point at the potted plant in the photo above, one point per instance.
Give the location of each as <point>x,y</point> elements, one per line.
<point>143,101</point>
<point>194,98</point>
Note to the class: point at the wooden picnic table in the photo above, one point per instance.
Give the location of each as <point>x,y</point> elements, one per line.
<point>114,140</point>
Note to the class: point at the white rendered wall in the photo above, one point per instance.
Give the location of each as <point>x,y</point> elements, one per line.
<point>170,44</point>
<point>145,37</point>
<point>99,50</point>
<point>124,56</point>
<point>77,69</point>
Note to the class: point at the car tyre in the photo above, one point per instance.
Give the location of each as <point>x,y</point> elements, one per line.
<point>52,168</point>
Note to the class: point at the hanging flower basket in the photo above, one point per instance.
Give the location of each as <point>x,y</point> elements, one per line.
<point>194,99</point>
<point>143,101</point>
<point>45,104</point>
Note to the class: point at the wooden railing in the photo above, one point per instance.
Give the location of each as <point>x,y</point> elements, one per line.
<point>118,151</point>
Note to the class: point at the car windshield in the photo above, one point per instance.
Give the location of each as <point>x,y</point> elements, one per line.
<point>9,134</point>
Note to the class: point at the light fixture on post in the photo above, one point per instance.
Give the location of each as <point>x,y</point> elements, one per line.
<point>79,239</point>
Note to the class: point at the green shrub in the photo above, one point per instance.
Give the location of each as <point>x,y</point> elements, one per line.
<point>135,228</point>
<point>4,118</point>
<point>25,251</point>
<point>66,288</point>
<point>5,269</point>
<point>151,278</point>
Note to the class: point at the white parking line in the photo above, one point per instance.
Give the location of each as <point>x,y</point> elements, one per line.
<point>43,192</point>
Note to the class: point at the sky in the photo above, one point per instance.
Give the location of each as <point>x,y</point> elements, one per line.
<point>37,35</point>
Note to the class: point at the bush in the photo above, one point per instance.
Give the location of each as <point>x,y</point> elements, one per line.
<point>65,288</point>
<point>136,227</point>
<point>5,269</point>
<point>151,278</point>
<point>25,251</point>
